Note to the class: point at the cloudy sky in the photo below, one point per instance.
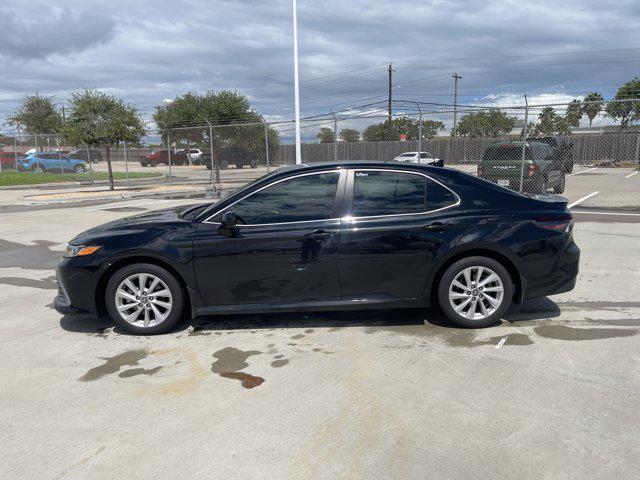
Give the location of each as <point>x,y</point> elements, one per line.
<point>146,51</point>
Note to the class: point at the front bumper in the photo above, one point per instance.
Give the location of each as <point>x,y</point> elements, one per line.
<point>77,278</point>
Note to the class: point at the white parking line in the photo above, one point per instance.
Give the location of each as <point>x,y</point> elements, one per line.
<point>632,174</point>
<point>120,204</point>
<point>501,343</point>
<point>583,171</point>
<point>586,197</point>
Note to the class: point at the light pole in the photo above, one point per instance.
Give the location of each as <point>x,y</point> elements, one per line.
<point>296,82</point>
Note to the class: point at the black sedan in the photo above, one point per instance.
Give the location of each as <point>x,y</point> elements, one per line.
<point>330,236</point>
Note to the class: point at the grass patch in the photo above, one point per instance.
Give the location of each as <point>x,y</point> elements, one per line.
<point>12,177</point>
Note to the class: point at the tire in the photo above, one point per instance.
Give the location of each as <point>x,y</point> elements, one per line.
<point>568,167</point>
<point>493,312</point>
<point>561,185</point>
<point>254,164</point>
<point>79,169</point>
<point>144,164</point>
<point>37,169</point>
<point>544,185</point>
<point>153,163</point>
<point>224,164</point>
<point>166,281</point>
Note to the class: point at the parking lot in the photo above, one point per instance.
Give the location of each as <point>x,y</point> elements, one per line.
<point>550,393</point>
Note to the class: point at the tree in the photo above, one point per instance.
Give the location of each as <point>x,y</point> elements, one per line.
<point>574,113</point>
<point>391,130</point>
<point>491,123</point>
<point>100,120</point>
<point>550,123</point>
<point>621,108</point>
<point>592,105</point>
<point>349,135</point>
<point>37,114</point>
<point>234,122</point>
<point>326,135</point>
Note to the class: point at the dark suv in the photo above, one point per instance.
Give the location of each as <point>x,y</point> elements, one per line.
<point>92,155</point>
<point>502,164</point>
<point>562,150</point>
<point>237,156</point>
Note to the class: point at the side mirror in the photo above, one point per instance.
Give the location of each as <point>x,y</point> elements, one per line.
<point>229,225</point>
<point>229,220</point>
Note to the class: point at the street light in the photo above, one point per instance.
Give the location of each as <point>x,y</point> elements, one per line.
<point>296,83</point>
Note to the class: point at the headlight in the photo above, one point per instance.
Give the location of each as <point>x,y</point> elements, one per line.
<point>81,250</point>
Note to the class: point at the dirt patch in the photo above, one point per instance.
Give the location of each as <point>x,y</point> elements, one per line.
<point>246,380</point>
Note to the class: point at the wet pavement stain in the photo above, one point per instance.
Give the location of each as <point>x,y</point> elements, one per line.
<point>48,283</point>
<point>38,256</point>
<point>309,330</point>
<point>561,332</point>
<point>297,337</point>
<point>139,371</point>
<point>278,356</point>
<point>231,359</point>
<point>279,363</point>
<point>246,380</point>
<point>114,364</point>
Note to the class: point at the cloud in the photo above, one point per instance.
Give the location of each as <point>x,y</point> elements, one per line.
<point>52,32</point>
<point>146,51</point>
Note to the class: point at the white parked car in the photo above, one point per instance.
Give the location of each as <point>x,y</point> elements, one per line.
<point>194,155</point>
<point>425,158</point>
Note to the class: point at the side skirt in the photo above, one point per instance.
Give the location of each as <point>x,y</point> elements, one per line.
<point>358,304</point>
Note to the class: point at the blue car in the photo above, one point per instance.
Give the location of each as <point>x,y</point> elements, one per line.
<point>52,162</point>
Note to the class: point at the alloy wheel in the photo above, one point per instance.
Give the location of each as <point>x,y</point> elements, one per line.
<point>143,300</point>
<point>476,292</point>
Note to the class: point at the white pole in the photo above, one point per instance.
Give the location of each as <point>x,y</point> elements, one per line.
<point>296,82</point>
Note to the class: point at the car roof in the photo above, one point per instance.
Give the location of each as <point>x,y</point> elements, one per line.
<point>361,164</point>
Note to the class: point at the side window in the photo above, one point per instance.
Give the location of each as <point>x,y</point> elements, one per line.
<point>309,197</point>
<point>393,193</point>
<point>387,193</point>
<point>438,196</point>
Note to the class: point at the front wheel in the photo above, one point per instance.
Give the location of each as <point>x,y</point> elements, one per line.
<point>254,164</point>
<point>79,169</point>
<point>475,292</point>
<point>37,169</point>
<point>144,299</point>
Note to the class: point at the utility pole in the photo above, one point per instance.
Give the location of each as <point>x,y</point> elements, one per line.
<point>296,81</point>
<point>390,70</point>
<point>64,117</point>
<point>456,77</point>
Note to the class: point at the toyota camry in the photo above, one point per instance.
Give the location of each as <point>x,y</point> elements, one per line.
<point>327,236</point>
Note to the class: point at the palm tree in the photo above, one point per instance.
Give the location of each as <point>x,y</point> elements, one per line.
<point>592,105</point>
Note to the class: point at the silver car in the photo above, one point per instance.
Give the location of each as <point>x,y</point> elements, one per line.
<point>424,158</point>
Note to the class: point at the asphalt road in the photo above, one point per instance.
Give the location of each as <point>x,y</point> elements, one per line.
<point>551,393</point>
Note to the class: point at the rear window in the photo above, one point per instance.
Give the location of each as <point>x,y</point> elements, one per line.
<point>378,193</point>
<point>505,153</point>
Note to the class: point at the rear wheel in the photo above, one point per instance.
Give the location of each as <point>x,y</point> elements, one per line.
<point>254,164</point>
<point>224,164</point>
<point>475,292</point>
<point>153,163</point>
<point>559,188</point>
<point>144,299</point>
<point>79,169</point>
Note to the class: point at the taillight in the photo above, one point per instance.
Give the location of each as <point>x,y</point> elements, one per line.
<point>558,223</point>
<point>480,170</point>
<point>533,169</point>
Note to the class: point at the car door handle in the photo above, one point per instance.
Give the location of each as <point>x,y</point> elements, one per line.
<point>436,226</point>
<point>318,235</point>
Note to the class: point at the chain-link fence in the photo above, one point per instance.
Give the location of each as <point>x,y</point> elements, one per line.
<point>579,150</point>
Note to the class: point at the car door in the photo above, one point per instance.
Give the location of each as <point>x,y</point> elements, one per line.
<point>398,224</point>
<point>284,249</point>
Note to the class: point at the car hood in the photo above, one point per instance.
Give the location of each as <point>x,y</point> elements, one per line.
<point>158,220</point>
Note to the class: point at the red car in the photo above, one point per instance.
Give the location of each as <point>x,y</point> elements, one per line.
<point>8,159</point>
<point>156,157</point>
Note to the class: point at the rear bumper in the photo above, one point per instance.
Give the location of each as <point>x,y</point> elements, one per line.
<point>561,277</point>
